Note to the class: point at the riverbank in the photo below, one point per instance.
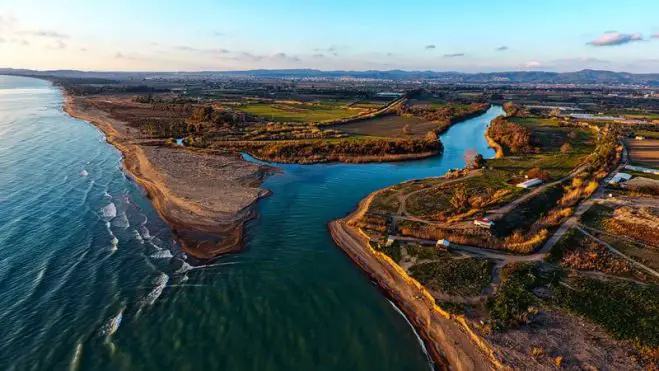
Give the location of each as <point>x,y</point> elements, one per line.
<point>449,339</point>
<point>205,198</point>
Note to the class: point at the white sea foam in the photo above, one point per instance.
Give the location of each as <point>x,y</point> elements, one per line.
<point>162,254</point>
<point>109,211</point>
<point>121,221</point>
<point>185,268</point>
<point>145,232</point>
<point>423,345</point>
<point>75,361</point>
<point>137,236</point>
<point>107,195</point>
<point>161,283</point>
<point>84,172</point>
<point>185,278</point>
<point>113,324</point>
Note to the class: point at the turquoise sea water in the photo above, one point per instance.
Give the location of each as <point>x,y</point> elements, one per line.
<point>91,278</point>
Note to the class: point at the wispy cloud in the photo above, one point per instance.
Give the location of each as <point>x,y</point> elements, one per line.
<point>655,36</point>
<point>454,55</point>
<point>284,56</point>
<point>186,48</point>
<point>7,21</point>
<point>42,33</point>
<point>501,48</point>
<point>58,45</point>
<point>532,64</point>
<point>430,47</point>
<point>318,55</point>
<point>615,38</point>
<point>2,40</point>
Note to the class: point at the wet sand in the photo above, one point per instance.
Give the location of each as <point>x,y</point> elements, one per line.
<point>205,198</point>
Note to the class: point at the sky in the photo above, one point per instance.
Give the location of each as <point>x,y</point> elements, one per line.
<point>438,35</point>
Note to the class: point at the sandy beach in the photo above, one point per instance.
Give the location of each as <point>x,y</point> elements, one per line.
<point>205,198</point>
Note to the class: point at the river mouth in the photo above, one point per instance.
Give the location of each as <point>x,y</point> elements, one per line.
<point>290,300</point>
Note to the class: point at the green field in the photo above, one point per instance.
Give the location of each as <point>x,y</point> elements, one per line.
<point>304,112</point>
<point>551,137</point>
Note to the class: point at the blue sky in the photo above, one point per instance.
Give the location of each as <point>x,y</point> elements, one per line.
<point>470,36</point>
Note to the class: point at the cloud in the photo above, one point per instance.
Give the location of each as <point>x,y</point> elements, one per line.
<point>186,48</point>
<point>501,48</point>
<point>430,47</point>
<point>59,45</point>
<point>615,38</point>
<point>42,33</point>
<point>2,40</point>
<point>84,50</point>
<point>318,55</point>
<point>219,34</point>
<point>8,22</point>
<point>454,55</point>
<point>284,56</point>
<point>532,64</point>
<point>655,36</point>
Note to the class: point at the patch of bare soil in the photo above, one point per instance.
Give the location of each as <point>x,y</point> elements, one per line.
<point>641,224</point>
<point>557,339</point>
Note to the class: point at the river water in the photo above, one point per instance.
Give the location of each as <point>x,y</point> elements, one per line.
<point>92,279</point>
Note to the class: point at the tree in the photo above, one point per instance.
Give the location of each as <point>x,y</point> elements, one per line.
<point>536,172</point>
<point>460,198</point>
<point>431,136</point>
<point>566,148</point>
<point>474,160</point>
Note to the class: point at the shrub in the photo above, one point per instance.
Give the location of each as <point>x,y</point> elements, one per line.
<point>566,148</point>
<point>536,172</point>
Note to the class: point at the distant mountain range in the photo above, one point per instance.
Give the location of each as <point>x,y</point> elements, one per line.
<point>516,77</point>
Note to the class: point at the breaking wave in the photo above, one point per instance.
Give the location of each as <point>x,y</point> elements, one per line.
<point>161,283</point>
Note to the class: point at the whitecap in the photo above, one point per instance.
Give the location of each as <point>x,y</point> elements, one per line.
<point>113,324</point>
<point>121,221</point>
<point>185,268</point>
<point>162,254</point>
<point>75,361</point>
<point>185,278</point>
<point>137,236</point>
<point>109,211</point>
<point>161,283</point>
<point>84,172</point>
<point>107,195</point>
<point>145,233</point>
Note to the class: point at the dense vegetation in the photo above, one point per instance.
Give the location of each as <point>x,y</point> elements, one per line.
<point>454,276</point>
<point>514,137</point>
<point>345,150</point>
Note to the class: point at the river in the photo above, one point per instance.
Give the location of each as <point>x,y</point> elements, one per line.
<point>92,279</point>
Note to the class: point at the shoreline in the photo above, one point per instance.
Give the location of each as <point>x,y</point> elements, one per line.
<point>202,236</point>
<point>448,338</point>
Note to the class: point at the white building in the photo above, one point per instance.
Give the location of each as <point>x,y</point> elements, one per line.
<point>620,177</point>
<point>530,183</point>
<point>484,222</point>
<point>443,243</point>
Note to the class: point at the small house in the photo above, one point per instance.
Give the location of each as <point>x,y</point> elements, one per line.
<point>619,178</point>
<point>443,244</point>
<point>530,183</point>
<point>484,222</point>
